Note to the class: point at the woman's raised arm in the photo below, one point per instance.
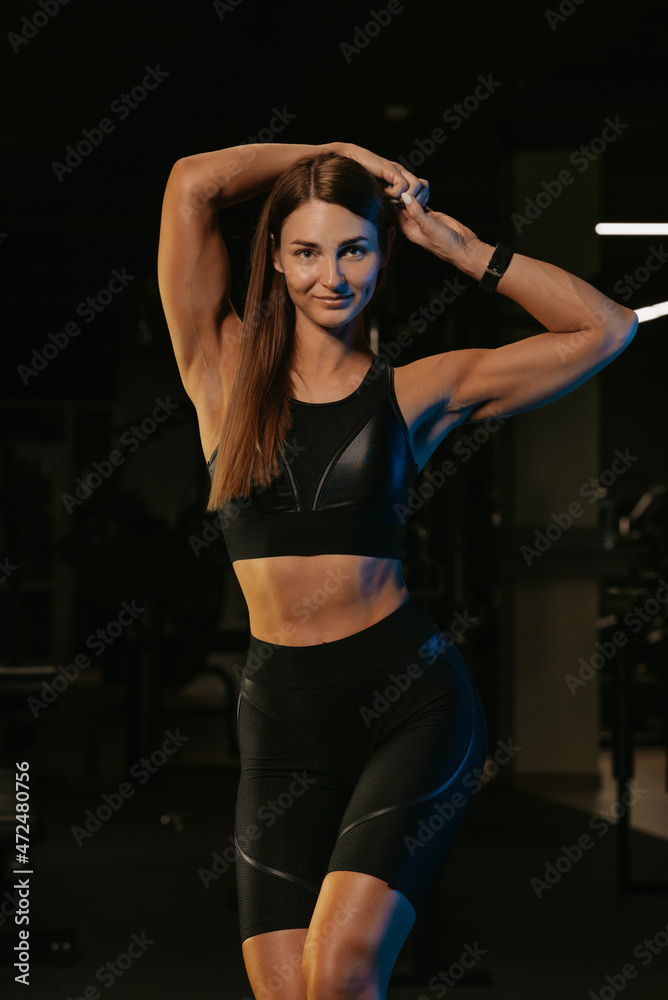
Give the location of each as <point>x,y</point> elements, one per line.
<point>193,265</point>
<point>585,329</point>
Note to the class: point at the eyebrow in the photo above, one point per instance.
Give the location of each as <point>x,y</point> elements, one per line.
<point>343,243</point>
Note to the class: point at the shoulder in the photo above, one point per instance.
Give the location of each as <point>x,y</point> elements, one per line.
<point>426,392</point>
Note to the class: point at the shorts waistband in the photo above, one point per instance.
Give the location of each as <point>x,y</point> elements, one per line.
<point>406,629</point>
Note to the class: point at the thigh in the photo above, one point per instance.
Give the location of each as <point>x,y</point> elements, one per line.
<point>290,801</point>
<point>412,796</point>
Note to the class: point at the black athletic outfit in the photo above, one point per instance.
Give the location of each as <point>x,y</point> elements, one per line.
<point>360,754</point>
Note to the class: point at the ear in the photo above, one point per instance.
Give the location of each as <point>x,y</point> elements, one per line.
<point>275,254</point>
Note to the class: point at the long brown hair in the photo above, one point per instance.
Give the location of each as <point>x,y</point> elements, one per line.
<point>256,417</point>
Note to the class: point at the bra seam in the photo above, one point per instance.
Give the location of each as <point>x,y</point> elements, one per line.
<point>352,435</point>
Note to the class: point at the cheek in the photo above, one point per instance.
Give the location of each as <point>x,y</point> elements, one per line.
<point>370,279</point>
<point>298,277</point>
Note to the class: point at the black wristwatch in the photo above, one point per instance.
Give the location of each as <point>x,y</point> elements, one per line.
<point>496,268</point>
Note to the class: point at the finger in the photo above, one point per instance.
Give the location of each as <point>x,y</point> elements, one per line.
<point>414,182</point>
<point>412,206</point>
<point>395,190</point>
<point>423,195</point>
<point>409,182</point>
<point>419,191</point>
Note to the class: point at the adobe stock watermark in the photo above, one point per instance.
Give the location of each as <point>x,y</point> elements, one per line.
<point>6,570</point>
<point>142,772</point>
<point>605,651</point>
<point>464,448</point>
<point>223,7</point>
<point>566,343</point>
<point>30,26</point>
<point>474,780</point>
<point>453,116</point>
<point>592,489</point>
<point>603,821</point>
<point>267,814</point>
<point>581,158</point>
<point>280,118</point>
<point>114,969</point>
<point>445,978</point>
<point>422,317</point>
<point>401,682</point>
<point>97,642</point>
<point>646,951</point>
<point>564,11</point>
<point>363,35</point>
<point>279,974</point>
<point>312,602</point>
<point>213,528</point>
<point>630,283</point>
<point>87,310</point>
<point>121,106</point>
<point>131,439</point>
<point>302,609</point>
<point>199,198</point>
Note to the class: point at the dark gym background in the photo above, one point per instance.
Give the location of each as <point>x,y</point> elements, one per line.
<point>130,739</point>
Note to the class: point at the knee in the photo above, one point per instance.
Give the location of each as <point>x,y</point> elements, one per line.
<point>338,971</point>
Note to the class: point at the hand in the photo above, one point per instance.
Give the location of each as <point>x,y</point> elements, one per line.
<point>439,233</point>
<point>397,178</point>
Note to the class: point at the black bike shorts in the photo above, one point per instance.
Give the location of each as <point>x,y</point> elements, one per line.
<point>359,755</point>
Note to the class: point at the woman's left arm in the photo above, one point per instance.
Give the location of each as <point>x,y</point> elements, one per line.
<point>586,329</point>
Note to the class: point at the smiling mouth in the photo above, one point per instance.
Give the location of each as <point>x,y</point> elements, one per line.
<point>333,298</point>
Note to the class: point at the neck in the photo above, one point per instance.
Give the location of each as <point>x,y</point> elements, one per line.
<point>323,351</point>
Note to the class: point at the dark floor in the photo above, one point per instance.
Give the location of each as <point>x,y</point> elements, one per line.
<point>138,875</point>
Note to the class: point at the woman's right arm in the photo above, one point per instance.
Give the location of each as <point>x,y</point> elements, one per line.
<point>194,269</point>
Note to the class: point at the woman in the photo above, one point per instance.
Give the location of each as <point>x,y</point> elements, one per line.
<point>360,728</point>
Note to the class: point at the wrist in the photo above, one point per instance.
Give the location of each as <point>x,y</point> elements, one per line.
<point>472,258</point>
<point>335,147</point>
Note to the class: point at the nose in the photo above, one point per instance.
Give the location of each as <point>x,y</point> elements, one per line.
<point>333,275</point>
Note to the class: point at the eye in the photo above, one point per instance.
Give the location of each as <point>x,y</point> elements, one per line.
<point>360,250</point>
<point>299,252</point>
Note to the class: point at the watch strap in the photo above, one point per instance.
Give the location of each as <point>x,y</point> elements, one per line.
<point>496,268</point>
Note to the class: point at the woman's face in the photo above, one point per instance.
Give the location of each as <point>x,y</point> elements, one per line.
<point>330,259</point>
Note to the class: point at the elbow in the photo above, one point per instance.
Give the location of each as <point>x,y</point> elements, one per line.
<point>618,331</point>
<point>631,324</point>
<point>623,328</point>
<point>180,172</point>
<point>191,178</point>
<point>614,324</point>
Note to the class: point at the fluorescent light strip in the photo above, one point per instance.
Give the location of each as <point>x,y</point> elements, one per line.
<point>632,228</point>
<point>652,312</point>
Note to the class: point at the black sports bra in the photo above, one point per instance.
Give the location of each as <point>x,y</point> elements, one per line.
<point>346,474</point>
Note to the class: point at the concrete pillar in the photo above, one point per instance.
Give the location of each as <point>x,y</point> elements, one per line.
<point>554,613</point>
<point>553,598</point>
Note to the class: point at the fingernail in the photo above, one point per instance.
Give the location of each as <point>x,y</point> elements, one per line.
<point>406,198</point>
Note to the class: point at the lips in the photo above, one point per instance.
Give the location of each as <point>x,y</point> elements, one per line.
<point>333,299</point>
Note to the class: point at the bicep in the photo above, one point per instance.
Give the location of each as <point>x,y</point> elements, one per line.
<point>194,279</point>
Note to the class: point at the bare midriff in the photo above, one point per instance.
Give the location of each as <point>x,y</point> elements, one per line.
<point>304,600</point>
